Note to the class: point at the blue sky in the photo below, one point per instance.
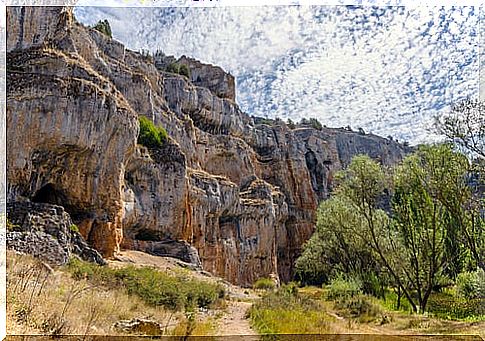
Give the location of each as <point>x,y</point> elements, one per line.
<point>389,70</point>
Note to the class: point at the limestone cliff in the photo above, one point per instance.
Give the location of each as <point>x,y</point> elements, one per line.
<point>224,192</point>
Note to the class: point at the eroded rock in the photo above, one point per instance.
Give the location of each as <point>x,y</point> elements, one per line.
<point>240,197</point>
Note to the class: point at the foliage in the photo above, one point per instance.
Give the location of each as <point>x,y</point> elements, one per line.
<point>150,135</point>
<point>359,306</point>
<point>290,124</point>
<point>103,26</point>
<point>334,247</point>
<point>312,122</point>
<point>391,301</point>
<point>448,306</point>
<point>184,70</point>
<point>49,301</point>
<point>154,287</point>
<point>264,283</point>
<point>181,69</point>
<point>409,244</point>
<point>344,288</point>
<point>471,284</point>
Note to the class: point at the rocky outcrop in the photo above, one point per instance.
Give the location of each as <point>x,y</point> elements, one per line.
<point>46,231</point>
<point>223,192</point>
<point>220,83</point>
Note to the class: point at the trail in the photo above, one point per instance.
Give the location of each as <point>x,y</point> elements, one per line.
<point>234,321</point>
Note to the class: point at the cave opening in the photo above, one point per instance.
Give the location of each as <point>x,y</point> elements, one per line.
<point>48,194</point>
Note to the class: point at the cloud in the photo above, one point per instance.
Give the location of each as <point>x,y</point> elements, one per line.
<point>389,70</point>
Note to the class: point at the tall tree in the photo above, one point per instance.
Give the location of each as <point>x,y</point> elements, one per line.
<point>464,126</point>
<point>424,181</point>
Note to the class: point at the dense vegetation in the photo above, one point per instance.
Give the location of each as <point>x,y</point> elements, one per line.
<point>429,233</point>
<point>396,240</point>
<point>150,135</point>
<point>152,286</point>
<point>417,228</point>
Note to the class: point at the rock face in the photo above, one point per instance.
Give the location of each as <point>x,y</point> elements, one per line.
<point>223,192</point>
<point>46,231</point>
<point>213,78</point>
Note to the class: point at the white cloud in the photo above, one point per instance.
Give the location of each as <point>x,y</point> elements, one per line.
<point>388,70</point>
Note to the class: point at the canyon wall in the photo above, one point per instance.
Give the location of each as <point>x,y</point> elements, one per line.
<point>223,192</point>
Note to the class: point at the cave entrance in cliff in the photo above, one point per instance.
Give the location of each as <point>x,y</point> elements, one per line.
<point>48,194</point>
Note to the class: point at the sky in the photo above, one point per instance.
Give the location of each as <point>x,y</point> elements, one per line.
<point>387,69</point>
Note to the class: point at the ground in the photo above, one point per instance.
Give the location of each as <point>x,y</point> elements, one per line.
<point>95,310</point>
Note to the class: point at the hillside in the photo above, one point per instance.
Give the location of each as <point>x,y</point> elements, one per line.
<point>222,191</point>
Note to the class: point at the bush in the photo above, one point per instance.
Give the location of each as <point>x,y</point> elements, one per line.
<point>181,69</point>
<point>151,136</point>
<point>152,286</point>
<point>173,68</point>
<point>184,70</point>
<point>285,311</point>
<point>445,305</point>
<point>360,306</point>
<point>316,124</point>
<point>471,284</point>
<point>342,288</point>
<point>103,26</point>
<point>264,284</point>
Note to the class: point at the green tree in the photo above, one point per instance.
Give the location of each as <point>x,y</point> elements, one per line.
<point>423,222</point>
<point>103,26</point>
<point>290,123</point>
<point>464,126</point>
<point>364,184</point>
<point>315,124</point>
<point>334,247</point>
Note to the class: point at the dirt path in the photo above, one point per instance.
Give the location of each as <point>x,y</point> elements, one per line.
<point>234,321</point>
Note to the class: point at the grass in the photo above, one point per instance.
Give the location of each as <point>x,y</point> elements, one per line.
<point>41,300</point>
<point>153,287</point>
<point>285,321</point>
<point>264,284</point>
<point>390,302</point>
<point>288,312</point>
<point>190,325</point>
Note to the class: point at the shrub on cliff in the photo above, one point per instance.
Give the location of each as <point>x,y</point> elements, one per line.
<point>184,70</point>
<point>103,26</point>
<point>150,135</point>
<point>181,69</point>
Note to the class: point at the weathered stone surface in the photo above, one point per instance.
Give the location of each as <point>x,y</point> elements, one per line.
<point>237,197</point>
<point>69,134</point>
<point>46,231</point>
<point>235,231</point>
<point>222,84</point>
<point>34,26</point>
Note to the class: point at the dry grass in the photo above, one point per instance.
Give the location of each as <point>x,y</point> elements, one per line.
<point>41,300</point>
